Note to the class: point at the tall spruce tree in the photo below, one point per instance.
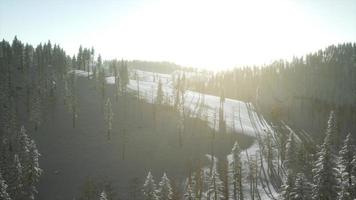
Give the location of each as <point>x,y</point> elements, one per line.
<point>236,172</point>
<point>165,189</point>
<point>149,188</point>
<point>215,187</point>
<point>302,188</point>
<point>332,129</point>
<point>291,153</point>
<point>346,166</point>
<point>326,174</point>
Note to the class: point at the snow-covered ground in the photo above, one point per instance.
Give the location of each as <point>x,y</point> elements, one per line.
<point>239,116</point>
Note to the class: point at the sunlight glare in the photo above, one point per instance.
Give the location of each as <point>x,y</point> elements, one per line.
<point>212,34</point>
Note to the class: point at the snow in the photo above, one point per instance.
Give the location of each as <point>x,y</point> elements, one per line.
<point>239,116</point>
<point>237,113</point>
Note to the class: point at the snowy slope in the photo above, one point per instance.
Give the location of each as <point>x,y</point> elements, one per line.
<point>239,116</point>
<point>236,112</point>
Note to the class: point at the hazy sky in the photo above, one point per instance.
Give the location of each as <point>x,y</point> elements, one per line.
<point>202,33</point>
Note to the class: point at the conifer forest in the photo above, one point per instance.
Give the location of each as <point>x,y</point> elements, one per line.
<point>178,100</point>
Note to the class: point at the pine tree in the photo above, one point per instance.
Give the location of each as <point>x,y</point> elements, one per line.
<point>109,115</point>
<point>189,194</point>
<point>269,152</point>
<point>32,171</point>
<point>222,122</point>
<point>165,189</point>
<point>346,165</point>
<point>326,173</point>
<point>216,189</point>
<point>23,142</point>
<point>287,187</point>
<point>159,96</point>
<point>80,61</point>
<point>332,129</point>
<point>98,65</point>
<point>103,196</point>
<point>302,188</point>
<point>149,188</point>
<point>3,189</point>
<point>176,93</point>
<point>237,172</point>
<point>138,86</point>
<point>354,175</point>
<point>291,153</point>
<point>102,82</point>
<point>194,183</point>
<point>15,181</point>
<point>36,109</point>
<point>124,76</point>
<point>72,97</point>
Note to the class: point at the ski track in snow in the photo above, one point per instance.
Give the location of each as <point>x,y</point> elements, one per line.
<point>239,116</point>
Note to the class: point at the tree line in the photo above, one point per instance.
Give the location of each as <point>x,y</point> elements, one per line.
<point>300,92</point>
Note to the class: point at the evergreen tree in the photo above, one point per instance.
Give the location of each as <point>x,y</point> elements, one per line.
<point>102,82</point>
<point>72,99</point>
<point>109,115</point>
<point>176,92</point>
<point>138,85</point>
<point>159,96</point>
<point>23,143</point>
<point>354,175</point>
<point>149,188</point>
<point>269,152</point>
<point>36,108</point>
<point>302,188</point>
<point>237,172</point>
<point>287,187</point>
<point>215,187</point>
<point>99,63</point>
<point>346,165</point>
<point>165,190</point>
<point>291,153</point>
<point>189,194</point>
<point>332,130</point>
<point>103,196</point>
<point>326,173</point>
<point>222,122</point>
<point>32,171</point>
<point>196,185</point>
<point>80,60</point>
<point>124,76</point>
<point>22,168</point>
<point>16,180</point>
<point>3,189</point>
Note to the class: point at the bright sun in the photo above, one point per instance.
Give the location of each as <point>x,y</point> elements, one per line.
<point>212,34</point>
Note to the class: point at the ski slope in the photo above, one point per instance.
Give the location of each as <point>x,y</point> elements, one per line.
<point>239,116</point>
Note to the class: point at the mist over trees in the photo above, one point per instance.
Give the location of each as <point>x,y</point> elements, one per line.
<point>300,92</point>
